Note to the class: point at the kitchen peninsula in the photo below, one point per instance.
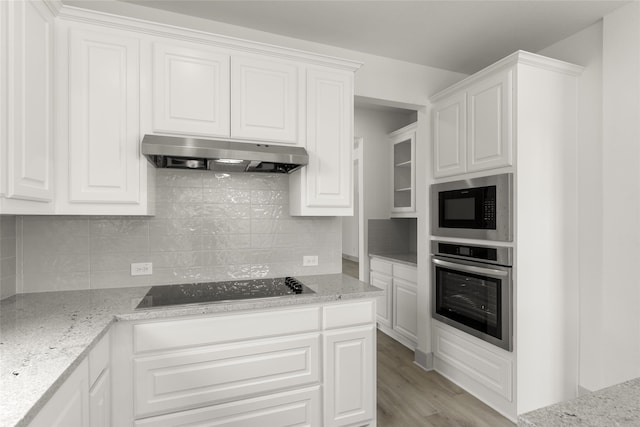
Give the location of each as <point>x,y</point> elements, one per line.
<point>47,338</point>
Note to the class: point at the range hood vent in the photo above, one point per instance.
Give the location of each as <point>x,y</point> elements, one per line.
<point>221,156</point>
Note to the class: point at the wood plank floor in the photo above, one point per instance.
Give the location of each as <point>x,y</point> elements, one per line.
<point>409,396</point>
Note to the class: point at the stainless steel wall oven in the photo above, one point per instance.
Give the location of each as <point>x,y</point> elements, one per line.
<point>473,290</point>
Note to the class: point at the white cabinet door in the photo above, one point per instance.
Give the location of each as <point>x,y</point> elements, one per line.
<point>190,90</point>
<point>69,406</point>
<point>349,376</point>
<point>264,101</point>
<point>383,306</point>
<point>405,310</point>
<point>403,171</point>
<point>490,120</point>
<point>104,84</point>
<point>29,156</point>
<point>324,186</point>
<point>100,401</point>
<point>449,136</point>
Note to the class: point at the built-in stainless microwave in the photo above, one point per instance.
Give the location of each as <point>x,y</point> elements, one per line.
<point>478,208</point>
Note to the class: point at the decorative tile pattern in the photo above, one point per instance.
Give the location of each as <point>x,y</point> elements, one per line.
<point>208,227</point>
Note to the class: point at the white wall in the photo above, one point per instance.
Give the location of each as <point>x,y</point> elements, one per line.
<point>620,291</point>
<point>608,194</point>
<point>374,126</point>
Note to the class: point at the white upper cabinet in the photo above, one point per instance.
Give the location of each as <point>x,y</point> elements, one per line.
<point>26,153</point>
<point>490,122</point>
<point>324,186</point>
<point>264,101</point>
<point>99,166</point>
<point>449,135</point>
<point>403,171</point>
<point>472,126</point>
<point>190,90</point>
<point>104,128</point>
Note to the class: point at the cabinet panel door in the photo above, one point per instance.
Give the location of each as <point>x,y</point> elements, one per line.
<point>449,136</point>
<point>348,376</point>
<point>29,148</point>
<point>104,158</point>
<point>405,315</point>
<point>329,136</point>
<point>384,302</point>
<point>69,406</point>
<point>490,123</point>
<point>100,401</point>
<point>264,102</point>
<point>190,90</point>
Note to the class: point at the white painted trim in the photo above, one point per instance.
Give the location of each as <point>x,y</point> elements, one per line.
<point>423,360</point>
<point>71,13</point>
<point>518,57</point>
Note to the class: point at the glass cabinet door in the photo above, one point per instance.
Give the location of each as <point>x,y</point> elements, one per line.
<point>403,171</point>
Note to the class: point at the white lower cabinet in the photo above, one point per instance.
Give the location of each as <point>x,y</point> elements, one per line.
<point>69,406</point>
<point>309,365</point>
<point>349,376</point>
<point>397,314</point>
<point>291,408</point>
<point>84,399</point>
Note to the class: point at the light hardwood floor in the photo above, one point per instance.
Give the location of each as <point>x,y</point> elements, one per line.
<point>409,396</point>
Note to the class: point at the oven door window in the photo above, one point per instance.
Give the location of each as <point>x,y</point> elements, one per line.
<point>470,299</point>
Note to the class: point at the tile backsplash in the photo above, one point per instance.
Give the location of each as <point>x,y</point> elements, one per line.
<point>7,256</point>
<point>208,227</point>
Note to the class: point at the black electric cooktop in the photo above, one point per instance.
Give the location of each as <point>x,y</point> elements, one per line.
<point>194,293</point>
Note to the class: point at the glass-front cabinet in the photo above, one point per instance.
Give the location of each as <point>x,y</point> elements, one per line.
<point>403,173</point>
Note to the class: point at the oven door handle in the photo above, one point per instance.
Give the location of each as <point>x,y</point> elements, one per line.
<point>471,268</point>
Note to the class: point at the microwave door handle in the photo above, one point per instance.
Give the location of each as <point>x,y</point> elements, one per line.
<point>471,268</point>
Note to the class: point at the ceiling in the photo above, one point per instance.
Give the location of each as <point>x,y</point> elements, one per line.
<point>456,35</point>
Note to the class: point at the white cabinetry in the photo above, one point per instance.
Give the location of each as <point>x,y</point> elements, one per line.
<point>100,169</point>
<point>190,89</point>
<point>26,140</point>
<point>403,171</point>
<point>473,126</point>
<point>324,186</point>
<point>540,95</point>
<point>397,312</point>
<point>84,399</point>
<point>215,369</point>
<point>264,99</point>
<point>69,406</point>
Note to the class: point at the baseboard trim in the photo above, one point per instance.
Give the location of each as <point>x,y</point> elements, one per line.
<point>351,258</point>
<point>423,360</point>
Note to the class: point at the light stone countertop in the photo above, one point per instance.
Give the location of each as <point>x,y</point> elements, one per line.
<point>404,258</point>
<point>44,336</point>
<point>618,406</point>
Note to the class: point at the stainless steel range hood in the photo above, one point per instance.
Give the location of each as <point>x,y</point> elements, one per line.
<point>224,156</point>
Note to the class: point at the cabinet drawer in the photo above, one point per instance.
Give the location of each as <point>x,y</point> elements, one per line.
<point>292,408</point>
<point>198,331</point>
<point>487,368</point>
<point>215,374</point>
<point>381,266</point>
<point>405,272</point>
<point>348,314</point>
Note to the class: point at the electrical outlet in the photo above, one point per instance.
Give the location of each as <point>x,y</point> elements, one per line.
<point>309,260</point>
<point>141,268</point>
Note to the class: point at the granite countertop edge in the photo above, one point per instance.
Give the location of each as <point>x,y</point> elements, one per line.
<point>408,258</point>
<point>81,327</point>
